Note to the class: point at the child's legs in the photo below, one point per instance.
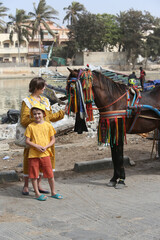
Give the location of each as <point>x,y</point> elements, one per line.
<point>46,166</point>
<point>52,186</point>
<point>35,187</point>
<point>34,164</point>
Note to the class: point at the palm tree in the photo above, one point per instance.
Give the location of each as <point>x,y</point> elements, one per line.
<point>3,11</point>
<point>73,11</point>
<point>20,26</point>
<point>42,13</point>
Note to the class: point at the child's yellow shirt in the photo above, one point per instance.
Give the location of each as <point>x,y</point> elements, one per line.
<point>40,134</point>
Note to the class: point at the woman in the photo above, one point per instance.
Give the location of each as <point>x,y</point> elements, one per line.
<point>36,88</point>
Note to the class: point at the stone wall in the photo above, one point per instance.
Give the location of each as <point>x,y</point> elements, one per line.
<point>110,59</point>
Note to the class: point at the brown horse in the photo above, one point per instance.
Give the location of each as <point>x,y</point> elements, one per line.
<point>142,117</point>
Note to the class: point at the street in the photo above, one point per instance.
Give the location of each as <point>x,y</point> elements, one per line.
<point>89,210</point>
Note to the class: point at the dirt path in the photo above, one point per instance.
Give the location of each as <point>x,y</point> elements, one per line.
<point>73,147</point>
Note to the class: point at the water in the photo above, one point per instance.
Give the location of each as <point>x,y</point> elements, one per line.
<point>13,91</point>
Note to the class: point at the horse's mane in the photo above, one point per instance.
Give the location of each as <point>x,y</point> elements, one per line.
<point>109,84</point>
<point>105,82</point>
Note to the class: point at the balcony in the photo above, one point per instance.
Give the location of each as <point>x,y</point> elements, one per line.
<point>11,50</point>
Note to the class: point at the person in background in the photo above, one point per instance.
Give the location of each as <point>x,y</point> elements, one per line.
<point>40,138</point>
<point>132,79</point>
<point>36,88</point>
<point>142,77</point>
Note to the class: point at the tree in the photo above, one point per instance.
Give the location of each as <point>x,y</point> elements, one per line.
<point>86,33</point>
<point>42,13</point>
<point>20,27</point>
<point>73,12</point>
<point>153,42</point>
<point>3,11</point>
<point>111,32</point>
<point>134,26</point>
<point>94,32</point>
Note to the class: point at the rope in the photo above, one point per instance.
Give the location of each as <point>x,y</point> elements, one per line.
<point>111,103</point>
<point>154,138</point>
<point>148,117</point>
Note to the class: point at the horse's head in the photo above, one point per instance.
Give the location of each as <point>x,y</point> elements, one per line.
<point>79,90</point>
<point>73,76</point>
<point>73,73</point>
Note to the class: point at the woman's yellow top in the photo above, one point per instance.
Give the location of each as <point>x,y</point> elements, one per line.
<point>40,134</point>
<point>29,102</point>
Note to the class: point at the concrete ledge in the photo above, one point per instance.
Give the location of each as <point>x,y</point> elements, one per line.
<point>9,176</point>
<point>105,163</point>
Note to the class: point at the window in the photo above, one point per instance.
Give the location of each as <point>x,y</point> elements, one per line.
<point>22,59</point>
<point>6,60</point>
<point>14,59</point>
<point>6,45</point>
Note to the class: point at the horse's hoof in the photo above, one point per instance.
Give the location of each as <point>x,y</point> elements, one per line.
<point>111,184</point>
<point>120,185</point>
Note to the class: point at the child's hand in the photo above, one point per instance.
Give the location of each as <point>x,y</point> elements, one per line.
<point>40,148</point>
<point>44,149</point>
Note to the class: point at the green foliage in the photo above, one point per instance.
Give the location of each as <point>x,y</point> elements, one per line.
<point>94,32</point>
<point>127,31</point>
<point>19,25</point>
<point>153,44</point>
<point>3,11</point>
<point>73,11</point>
<point>111,32</point>
<point>133,32</point>
<point>42,13</point>
<point>87,33</point>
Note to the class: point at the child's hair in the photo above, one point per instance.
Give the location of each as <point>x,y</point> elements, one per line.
<point>36,83</point>
<point>40,107</point>
<point>39,110</point>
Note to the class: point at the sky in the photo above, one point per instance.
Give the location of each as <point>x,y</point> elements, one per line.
<point>92,6</point>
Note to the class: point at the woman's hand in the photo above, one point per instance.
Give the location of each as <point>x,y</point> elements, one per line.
<point>66,108</point>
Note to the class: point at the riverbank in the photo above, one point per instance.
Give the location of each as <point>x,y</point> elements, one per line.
<point>30,72</point>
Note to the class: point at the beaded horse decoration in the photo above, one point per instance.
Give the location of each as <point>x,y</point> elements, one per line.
<point>80,94</point>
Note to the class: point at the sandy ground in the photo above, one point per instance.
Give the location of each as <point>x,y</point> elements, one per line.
<point>73,147</point>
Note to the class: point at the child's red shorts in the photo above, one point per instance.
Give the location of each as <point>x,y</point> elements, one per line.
<point>43,163</point>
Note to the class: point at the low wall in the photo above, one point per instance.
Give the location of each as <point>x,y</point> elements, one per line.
<point>101,58</point>
<point>29,72</point>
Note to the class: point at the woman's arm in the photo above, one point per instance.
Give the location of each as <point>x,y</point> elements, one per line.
<point>54,117</point>
<point>25,115</point>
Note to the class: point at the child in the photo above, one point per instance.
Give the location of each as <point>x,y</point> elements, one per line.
<point>40,137</point>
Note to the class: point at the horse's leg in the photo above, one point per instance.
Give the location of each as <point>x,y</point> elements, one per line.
<point>119,169</point>
<point>118,163</point>
<point>113,180</point>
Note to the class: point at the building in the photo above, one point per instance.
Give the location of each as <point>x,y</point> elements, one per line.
<point>29,51</point>
<point>59,39</point>
<point>9,51</point>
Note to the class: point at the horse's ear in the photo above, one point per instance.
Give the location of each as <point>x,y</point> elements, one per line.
<point>70,70</point>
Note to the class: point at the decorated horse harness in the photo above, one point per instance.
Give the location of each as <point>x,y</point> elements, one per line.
<point>80,91</point>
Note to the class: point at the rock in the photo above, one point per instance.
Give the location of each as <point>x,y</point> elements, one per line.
<point>4,146</point>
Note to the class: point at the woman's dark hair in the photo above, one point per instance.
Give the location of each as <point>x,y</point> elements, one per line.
<point>36,83</point>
